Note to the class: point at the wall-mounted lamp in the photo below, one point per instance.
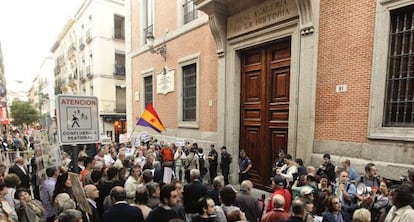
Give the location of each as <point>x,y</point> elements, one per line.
<point>162,50</point>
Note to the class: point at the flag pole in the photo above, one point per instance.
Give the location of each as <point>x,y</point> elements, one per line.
<point>133,130</point>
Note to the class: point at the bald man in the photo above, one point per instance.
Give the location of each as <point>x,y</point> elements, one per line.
<point>92,193</point>
<point>247,203</point>
<point>278,213</point>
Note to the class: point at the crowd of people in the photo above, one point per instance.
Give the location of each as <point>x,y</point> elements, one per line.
<point>332,193</point>
<point>159,182</point>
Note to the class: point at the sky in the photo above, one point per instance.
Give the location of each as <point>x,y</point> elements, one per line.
<point>28,30</point>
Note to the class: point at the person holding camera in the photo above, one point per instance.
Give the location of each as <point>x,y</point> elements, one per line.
<point>179,158</point>
<point>327,168</point>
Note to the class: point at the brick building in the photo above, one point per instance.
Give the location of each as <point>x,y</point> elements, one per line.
<point>305,77</point>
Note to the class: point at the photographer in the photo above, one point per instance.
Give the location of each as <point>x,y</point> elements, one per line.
<point>191,162</point>
<point>179,158</point>
<point>327,168</point>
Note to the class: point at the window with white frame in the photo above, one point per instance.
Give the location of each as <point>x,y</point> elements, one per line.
<point>119,27</point>
<point>190,11</point>
<point>148,90</point>
<point>392,88</point>
<point>399,99</point>
<point>190,92</point>
<point>148,18</point>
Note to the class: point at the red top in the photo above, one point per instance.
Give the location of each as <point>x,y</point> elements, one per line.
<point>286,194</point>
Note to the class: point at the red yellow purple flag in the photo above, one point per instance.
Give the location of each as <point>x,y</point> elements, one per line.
<point>150,118</point>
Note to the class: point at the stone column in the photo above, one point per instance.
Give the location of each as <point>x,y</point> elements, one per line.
<point>309,15</point>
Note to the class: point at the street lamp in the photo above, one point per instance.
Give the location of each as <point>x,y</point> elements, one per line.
<point>162,50</point>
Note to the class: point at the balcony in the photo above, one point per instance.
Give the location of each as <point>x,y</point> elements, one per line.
<point>88,36</point>
<point>82,77</point>
<point>149,32</point>
<point>81,44</point>
<point>88,70</point>
<point>60,60</point>
<point>119,34</point>
<point>190,12</point>
<point>57,70</point>
<point>71,49</point>
<point>120,108</point>
<point>119,70</point>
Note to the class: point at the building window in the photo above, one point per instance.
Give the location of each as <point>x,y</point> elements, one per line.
<point>190,12</point>
<point>148,19</point>
<point>119,27</point>
<point>189,92</point>
<point>399,99</point>
<point>391,99</point>
<point>120,101</point>
<point>148,89</point>
<point>119,68</point>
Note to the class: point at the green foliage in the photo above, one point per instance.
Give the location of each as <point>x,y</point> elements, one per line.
<point>23,113</point>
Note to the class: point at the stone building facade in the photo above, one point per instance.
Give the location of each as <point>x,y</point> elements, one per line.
<point>303,77</point>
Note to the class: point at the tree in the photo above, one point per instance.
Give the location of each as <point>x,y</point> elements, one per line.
<point>23,113</point>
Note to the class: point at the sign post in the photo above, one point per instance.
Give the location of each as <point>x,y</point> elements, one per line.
<point>78,122</point>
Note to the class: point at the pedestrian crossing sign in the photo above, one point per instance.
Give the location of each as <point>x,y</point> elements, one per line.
<point>77,118</point>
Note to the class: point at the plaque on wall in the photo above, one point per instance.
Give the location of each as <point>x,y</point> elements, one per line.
<point>267,13</point>
<point>165,81</point>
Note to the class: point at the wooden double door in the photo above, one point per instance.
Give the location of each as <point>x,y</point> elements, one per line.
<point>264,111</point>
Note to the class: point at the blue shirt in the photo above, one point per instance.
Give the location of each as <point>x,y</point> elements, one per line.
<point>353,174</point>
<point>244,163</point>
<point>46,190</point>
<point>351,190</point>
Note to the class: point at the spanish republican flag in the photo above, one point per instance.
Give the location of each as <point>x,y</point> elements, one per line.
<point>150,118</point>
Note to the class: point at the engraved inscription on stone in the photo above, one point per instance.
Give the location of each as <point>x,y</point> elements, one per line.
<point>165,82</point>
<point>260,16</point>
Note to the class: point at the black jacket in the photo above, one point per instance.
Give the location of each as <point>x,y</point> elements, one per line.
<point>192,192</point>
<point>123,212</point>
<point>24,177</point>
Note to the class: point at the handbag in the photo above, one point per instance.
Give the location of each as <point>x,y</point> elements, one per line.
<point>189,163</point>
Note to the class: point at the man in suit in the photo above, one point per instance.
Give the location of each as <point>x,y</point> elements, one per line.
<point>92,193</point>
<point>21,171</point>
<point>192,193</point>
<point>121,210</point>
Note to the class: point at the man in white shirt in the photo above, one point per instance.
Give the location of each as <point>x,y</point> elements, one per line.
<point>92,193</point>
